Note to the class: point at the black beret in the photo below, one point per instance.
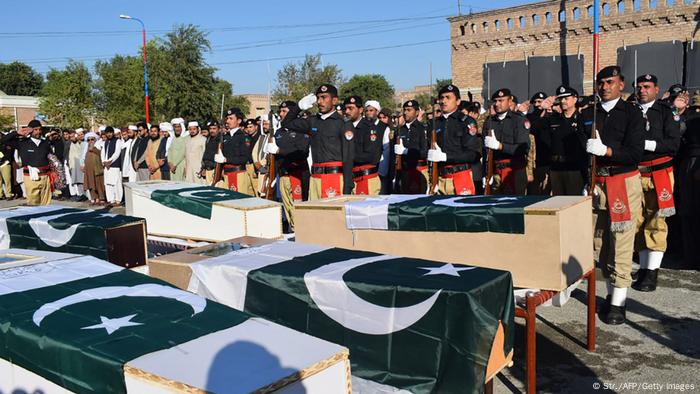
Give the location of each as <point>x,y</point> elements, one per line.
<point>501,93</point>
<point>109,129</point>
<point>450,89</point>
<point>411,104</point>
<point>213,123</point>
<point>327,88</point>
<point>34,123</point>
<point>249,122</point>
<point>538,96</point>
<point>566,91</point>
<point>288,104</point>
<point>648,78</point>
<point>610,71</point>
<point>354,100</point>
<point>235,111</point>
<point>677,89</point>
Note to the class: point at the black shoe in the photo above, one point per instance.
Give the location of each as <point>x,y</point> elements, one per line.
<point>612,314</point>
<point>646,281</point>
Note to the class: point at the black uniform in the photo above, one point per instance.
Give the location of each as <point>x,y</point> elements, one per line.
<point>292,156</point>
<point>664,127</point>
<point>368,142</point>
<point>139,148</point>
<point>565,141</point>
<point>30,153</point>
<point>513,133</point>
<point>237,148</point>
<point>331,140</point>
<point>210,149</point>
<point>455,140</point>
<point>415,140</point>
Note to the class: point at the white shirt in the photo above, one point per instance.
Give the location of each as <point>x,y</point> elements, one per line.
<point>502,116</point>
<point>36,141</point>
<point>328,115</point>
<point>233,131</point>
<point>355,123</point>
<point>115,155</point>
<point>645,107</point>
<point>448,115</point>
<point>608,105</point>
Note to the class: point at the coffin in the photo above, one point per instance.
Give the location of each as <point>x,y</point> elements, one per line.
<point>546,243</point>
<point>190,211</point>
<point>172,341</point>
<point>118,239</point>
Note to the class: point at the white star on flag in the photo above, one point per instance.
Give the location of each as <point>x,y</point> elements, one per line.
<point>447,269</point>
<point>112,325</point>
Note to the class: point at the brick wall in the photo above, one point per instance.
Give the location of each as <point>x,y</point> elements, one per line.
<point>478,38</point>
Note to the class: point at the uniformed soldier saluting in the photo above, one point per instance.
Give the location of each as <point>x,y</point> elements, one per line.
<point>33,152</point>
<point>368,149</point>
<point>457,148</point>
<point>291,150</point>
<point>331,143</point>
<point>506,133</point>
<point>412,150</point>
<point>564,137</point>
<point>235,154</point>
<point>662,138</point>
<point>617,197</point>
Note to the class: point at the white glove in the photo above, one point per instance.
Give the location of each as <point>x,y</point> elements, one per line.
<point>219,158</point>
<point>595,146</point>
<point>307,101</point>
<point>33,173</point>
<point>271,147</point>
<point>437,155</point>
<point>399,149</point>
<point>491,142</point>
<point>650,145</point>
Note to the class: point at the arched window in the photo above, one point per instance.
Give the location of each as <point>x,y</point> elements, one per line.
<point>636,5</point>
<point>562,16</point>
<point>497,23</point>
<point>576,13</point>
<point>652,4</point>
<point>548,17</point>
<point>688,2</point>
<point>486,27</point>
<point>589,11</point>
<point>535,20</point>
<point>621,7</point>
<point>509,22</point>
<point>669,3</point>
<point>606,9</point>
<point>522,22</point>
<point>473,27</point>
<point>461,29</point>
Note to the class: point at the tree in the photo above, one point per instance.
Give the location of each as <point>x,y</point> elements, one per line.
<point>120,89</point>
<point>441,83</point>
<point>225,89</point>
<point>425,101</point>
<point>67,96</point>
<point>370,87</point>
<point>6,121</point>
<point>295,81</point>
<point>19,79</point>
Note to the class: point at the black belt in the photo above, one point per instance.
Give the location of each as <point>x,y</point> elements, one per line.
<point>558,159</point>
<point>500,166</point>
<point>234,167</point>
<point>283,171</point>
<point>453,169</point>
<point>365,172</point>
<point>612,171</point>
<point>326,170</point>
<point>655,167</point>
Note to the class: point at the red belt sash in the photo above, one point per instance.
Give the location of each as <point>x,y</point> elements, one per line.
<point>295,177</point>
<point>507,166</point>
<point>43,170</point>
<point>463,182</point>
<point>618,203</point>
<point>362,182</point>
<point>662,185</point>
<point>330,183</point>
<point>232,178</point>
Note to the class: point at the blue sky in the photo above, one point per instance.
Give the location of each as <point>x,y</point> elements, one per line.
<point>45,34</point>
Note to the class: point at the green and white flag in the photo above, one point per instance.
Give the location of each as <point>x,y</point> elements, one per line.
<point>501,214</point>
<point>59,229</point>
<point>77,322</point>
<point>186,197</point>
<point>409,323</point>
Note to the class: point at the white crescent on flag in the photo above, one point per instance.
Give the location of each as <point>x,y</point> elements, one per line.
<point>333,296</point>
<point>207,193</point>
<point>53,236</point>
<point>452,202</point>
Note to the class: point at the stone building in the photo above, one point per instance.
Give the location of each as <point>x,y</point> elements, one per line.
<point>22,109</point>
<point>562,31</point>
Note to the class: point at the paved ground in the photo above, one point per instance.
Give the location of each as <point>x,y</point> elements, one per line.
<point>658,350</point>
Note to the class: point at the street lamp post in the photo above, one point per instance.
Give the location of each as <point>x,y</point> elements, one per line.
<point>145,63</point>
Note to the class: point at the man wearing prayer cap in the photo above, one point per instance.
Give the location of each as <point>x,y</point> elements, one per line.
<point>618,146</point>
<point>332,143</point>
<point>128,137</point>
<point>662,138</point>
<point>176,151</point>
<point>112,163</point>
<point>194,148</point>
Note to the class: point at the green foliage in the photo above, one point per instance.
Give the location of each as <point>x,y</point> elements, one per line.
<point>425,101</point>
<point>19,79</point>
<point>295,81</point>
<point>120,89</point>
<point>6,121</point>
<point>67,96</point>
<point>370,87</point>
<point>223,87</point>
<point>441,83</point>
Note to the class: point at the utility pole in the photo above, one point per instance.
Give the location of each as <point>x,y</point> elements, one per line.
<point>459,7</point>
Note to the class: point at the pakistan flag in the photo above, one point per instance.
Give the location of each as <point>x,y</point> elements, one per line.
<point>413,324</point>
<point>194,200</point>
<point>501,214</point>
<point>79,322</point>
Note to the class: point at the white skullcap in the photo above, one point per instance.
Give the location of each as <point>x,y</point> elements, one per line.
<point>79,130</point>
<point>102,128</point>
<point>192,124</point>
<point>178,120</point>
<point>373,103</point>
<point>132,127</point>
<point>91,134</point>
<point>165,126</point>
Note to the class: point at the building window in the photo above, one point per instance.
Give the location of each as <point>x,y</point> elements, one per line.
<point>562,16</point>
<point>606,9</point>
<point>548,17</point>
<point>669,3</point>
<point>621,7</point>
<point>577,14</point>
<point>688,2</point>
<point>473,27</point>
<point>652,4</point>
<point>589,11</point>
<point>461,29</point>
<point>535,20</point>
<point>486,27</point>
<point>497,24</point>
<point>509,22</point>
<point>522,22</point>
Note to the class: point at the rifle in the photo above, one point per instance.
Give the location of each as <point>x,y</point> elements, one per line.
<point>434,165</point>
<point>218,171</point>
<point>489,167</point>
<point>596,65</point>
<point>269,178</point>
<point>398,164</point>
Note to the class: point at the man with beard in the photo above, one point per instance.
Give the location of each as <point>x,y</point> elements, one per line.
<point>194,151</point>
<point>111,161</point>
<point>210,150</point>
<point>176,151</point>
<point>128,172</point>
<point>151,155</point>
<point>138,152</point>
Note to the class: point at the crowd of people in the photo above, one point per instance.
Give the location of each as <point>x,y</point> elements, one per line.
<point>635,154</point>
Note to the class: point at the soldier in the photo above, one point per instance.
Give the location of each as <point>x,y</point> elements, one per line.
<point>372,111</point>
<point>235,154</point>
<point>540,183</point>
<point>211,148</point>
<point>332,147</point>
<point>291,150</point>
<point>689,179</point>
<point>506,133</point>
<point>617,194</point>
<point>462,148</point>
<point>412,150</point>
<point>661,142</point>
<point>563,135</point>
<point>368,149</point>
<point>257,156</point>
